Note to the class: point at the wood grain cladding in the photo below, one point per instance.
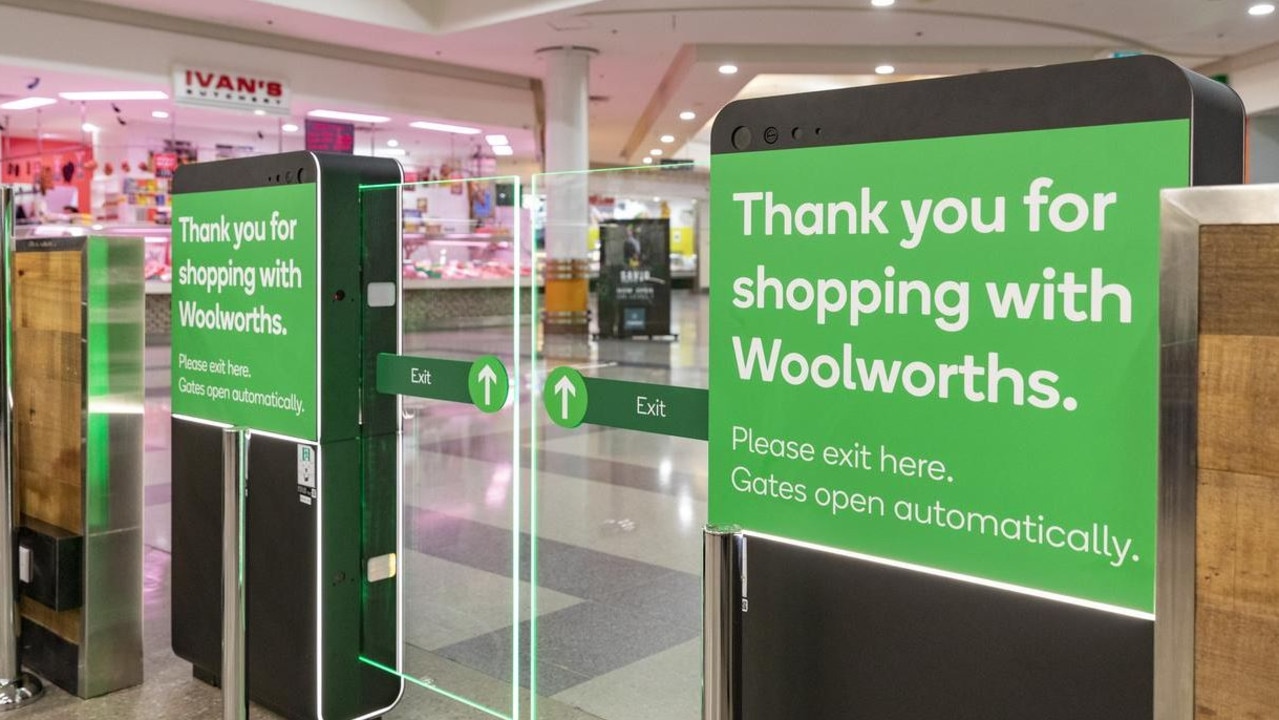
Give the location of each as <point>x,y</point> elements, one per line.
<point>48,398</point>
<point>1237,561</point>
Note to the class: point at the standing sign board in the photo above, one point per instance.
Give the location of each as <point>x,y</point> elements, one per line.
<point>935,340</point>
<point>635,278</point>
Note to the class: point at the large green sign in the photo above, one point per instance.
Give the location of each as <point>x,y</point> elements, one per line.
<point>245,304</point>
<point>945,352</point>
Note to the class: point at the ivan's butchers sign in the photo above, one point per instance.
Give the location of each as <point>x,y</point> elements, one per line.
<point>209,87</point>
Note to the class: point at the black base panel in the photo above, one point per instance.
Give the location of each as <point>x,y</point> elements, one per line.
<point>829,637</point>
<point>197,545</point>
<point>50,656</point>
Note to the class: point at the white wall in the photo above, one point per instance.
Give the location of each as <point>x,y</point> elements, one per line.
<point>1263,149</point>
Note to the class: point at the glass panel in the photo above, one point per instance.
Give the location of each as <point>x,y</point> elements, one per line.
<point>617,514</point>
<point>466,275</point>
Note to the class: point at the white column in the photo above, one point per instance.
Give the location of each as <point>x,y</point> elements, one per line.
<point>567,94</point>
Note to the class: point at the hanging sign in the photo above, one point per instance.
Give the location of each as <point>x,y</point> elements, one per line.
<point>211,87</point>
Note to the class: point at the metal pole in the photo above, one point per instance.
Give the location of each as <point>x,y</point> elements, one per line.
<point>234,683</point>
<point>723,599</point>
<point>17,688</point>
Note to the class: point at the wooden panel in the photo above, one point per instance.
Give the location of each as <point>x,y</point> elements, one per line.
<point>1239,403</point>
<point>1239,280</point>
<point>1237,534</point>
<point>48,399</point>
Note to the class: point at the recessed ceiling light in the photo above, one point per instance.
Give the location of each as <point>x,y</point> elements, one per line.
<point>445,127</point>
<point>497,139</point>
<point>115,95</point>
<point>883,3</point>
<point>667,139</point>
<point>90,128</point>
<point>289,127</point>
<point>392,143</point>
<point>1261,9</point>
<point>655,152</point>
<point>259,111</point>
<point>688,115</point>
<point>727,69</point>
<point>503,150</point>
<point>885,69</point>
<point>648,161</point>
<point>160,114</point>
<point>27,103</point>
<point>348,116</point>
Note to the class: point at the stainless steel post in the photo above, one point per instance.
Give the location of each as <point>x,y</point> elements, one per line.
<point>17,688</point>
<point>722,594</point>
<point>234,683</point>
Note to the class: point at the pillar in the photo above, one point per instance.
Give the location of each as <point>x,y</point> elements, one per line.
<point>567,96</point>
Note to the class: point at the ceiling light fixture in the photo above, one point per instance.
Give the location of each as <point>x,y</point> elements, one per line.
<point>90,128</point>
<point>885,69</point>
<point>390,152</point>
<point>445,127</point>
<point>348,116</point>
<point>1261,9</point>
<point>728,69</point>
<point>883,3</point>
<point>160,114</point>
<point>668,139</point>
<point>115,95</point>
<point>655,152</point>
<point>648,161</point>
<point>497,139</point>
<point>289,127</point>
<point>688,115</point>
<point>392,143</point>
<point>259,112</point>
<point>27,103</point>
<point>506,150</point>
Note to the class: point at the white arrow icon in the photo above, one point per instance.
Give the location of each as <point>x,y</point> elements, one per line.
<point>564,388</point>
<point>488,377</point>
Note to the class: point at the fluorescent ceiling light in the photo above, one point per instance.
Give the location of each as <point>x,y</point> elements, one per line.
<point>289,127</point>
<point>728,69</point>
<point>688,115</point>
<point>160,114</point>
<point>27,103</point>
<point>503,150</point>
<point>883,3</point>
<point>498,139</point>
<point>648,161</point>
<point>445,127</point>
<point>348,116</point>
<point>668,139</point>
<point>392,143</point>
<point>655,152</point>
<point>115,95</point>
<point>885,69</point>
<point>1261,9</point>
<point>90,128</point>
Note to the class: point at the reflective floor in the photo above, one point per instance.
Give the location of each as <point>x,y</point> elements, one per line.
<point>615,586</point>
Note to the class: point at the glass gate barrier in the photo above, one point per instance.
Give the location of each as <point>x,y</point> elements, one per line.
<point>466,276</point>
<point>619,492</point>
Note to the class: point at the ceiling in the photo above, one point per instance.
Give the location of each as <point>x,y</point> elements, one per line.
<point>659,57</point>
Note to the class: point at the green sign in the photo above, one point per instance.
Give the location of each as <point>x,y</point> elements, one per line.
<point>488,384</point>
<point>660,409</point>
<point>245,308</point>
<point>424,377</point>
<point>945,352</point>
<point>565,397</point>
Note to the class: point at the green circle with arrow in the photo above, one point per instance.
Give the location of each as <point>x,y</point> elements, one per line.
<point>564,397</point>
<point>488,384</point>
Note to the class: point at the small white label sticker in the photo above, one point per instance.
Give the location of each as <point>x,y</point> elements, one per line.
<point>306,466</point>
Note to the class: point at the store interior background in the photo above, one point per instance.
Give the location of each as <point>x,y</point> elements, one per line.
<point>629,509</point>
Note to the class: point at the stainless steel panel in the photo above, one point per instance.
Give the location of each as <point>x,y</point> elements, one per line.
<point>720,607</point>
<point>235,695</point>
<point>1184,213</point>
<point>111,647</point>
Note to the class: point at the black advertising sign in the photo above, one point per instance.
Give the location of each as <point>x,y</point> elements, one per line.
<point>333,137</point>
<point>635,278</point>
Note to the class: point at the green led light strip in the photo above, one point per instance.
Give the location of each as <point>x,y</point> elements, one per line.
<point>438,690</point>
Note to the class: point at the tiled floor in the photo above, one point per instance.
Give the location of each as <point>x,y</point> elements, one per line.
<point>618,542</point>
